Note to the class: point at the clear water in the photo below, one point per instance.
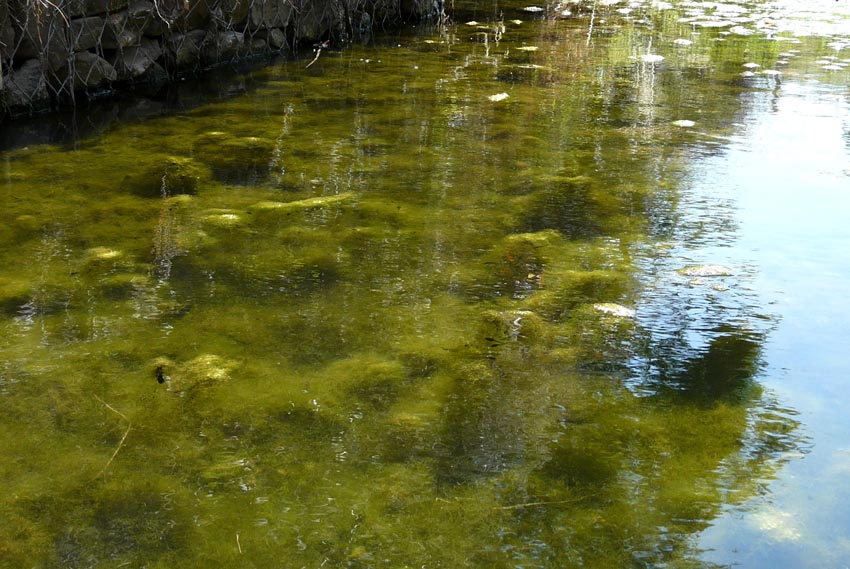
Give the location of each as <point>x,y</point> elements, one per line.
<point>522,291</point>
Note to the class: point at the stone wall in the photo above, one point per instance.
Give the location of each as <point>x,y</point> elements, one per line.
<point>55,52</point>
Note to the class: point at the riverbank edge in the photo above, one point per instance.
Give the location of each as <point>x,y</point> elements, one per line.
<point>55,54</point>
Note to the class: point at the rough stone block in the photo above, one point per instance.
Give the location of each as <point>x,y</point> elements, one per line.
<point>222,46</point>
<point>75,8</point>
<point>184,50</point>
<point>121,31</point>
<point>133,62</point>
<point>141,17</point>
<point>258,45</point>
<point>269,14</point>
<point>86,32</point>
<point>7,34</point>
<point>120,38</point>
<point>90,71</point>
<point>179,16</point>
<point>232,13</point>
<point>26,87</point>
<point>156,75</point>
<point>277,39</point>
<point>315,18</point>
<point>154,24</point>
<point>140,14</point>
<point>42,35</point>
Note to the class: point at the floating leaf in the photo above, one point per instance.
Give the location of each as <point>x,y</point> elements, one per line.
<point>684,123</point>
<point>498,97</point>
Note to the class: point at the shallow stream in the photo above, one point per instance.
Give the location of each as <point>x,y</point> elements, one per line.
<point>555,286</point>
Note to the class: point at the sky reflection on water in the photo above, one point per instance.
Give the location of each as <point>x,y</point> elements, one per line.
<point>788,173</point>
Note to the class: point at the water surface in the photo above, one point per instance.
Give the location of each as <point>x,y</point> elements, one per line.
<point>527,290</point>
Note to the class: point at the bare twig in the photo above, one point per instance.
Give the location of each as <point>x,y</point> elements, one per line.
<point>167,21</point>
<point>319,48</point>
<point>238,545</point>
<point>58,9</point>
<point>318,53</point>
<point>532,504</point>
<point>124,438</point>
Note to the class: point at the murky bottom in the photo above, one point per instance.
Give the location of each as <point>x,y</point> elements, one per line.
<point>478,295</point>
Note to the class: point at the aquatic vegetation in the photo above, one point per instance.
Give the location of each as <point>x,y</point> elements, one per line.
<point>375,314</point>
<point>166,176</point>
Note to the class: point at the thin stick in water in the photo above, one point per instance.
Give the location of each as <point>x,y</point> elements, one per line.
<point>124,438</point>
<point>532,504</point>
<point>318,53</point>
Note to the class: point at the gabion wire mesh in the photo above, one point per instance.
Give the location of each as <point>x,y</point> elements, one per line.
<point>55,51</point>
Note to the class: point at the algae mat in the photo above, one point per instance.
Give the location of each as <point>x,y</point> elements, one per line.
<point>385,311</point>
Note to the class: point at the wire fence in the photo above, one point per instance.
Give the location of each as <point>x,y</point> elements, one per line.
<point>53,52</point>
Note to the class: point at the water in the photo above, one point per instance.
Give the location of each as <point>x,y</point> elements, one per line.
<point>518,292</point>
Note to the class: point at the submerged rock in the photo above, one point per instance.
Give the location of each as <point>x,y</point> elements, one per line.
<point>613,309</point>
<point>99,262</point>
<point>170,176</point>
<point>205,370</point>
<point>501,326</point>
<point>222,218</point>
<point>121,285</point>
<point>366,378</point>
<point>235,159</point>
<point>568,204</point>
<point>705,271</point>
<point>97,254</point>
<point>409,433</point>
<point>265,210</point>
<point>13,295</point>
<point>517,263</point>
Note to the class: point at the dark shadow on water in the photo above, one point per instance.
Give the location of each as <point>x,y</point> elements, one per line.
<point>723,372</point>
<point>67,127</point>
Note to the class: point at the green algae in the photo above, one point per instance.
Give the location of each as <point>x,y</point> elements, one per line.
<point>353,318</point>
